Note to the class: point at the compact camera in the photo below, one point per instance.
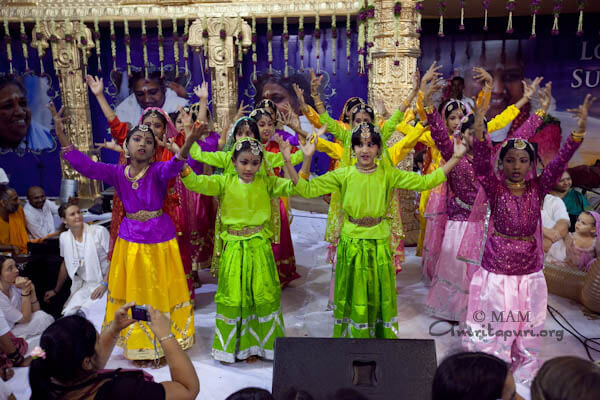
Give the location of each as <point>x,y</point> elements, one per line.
<point>140,313</point>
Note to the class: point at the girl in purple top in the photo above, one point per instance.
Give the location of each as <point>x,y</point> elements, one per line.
<point>146,267</point>
<point>508,294</point>
<point>449,292</point>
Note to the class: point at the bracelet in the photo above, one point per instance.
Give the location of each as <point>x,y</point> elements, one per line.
<point>577,136</point>
<point>540,113</point>
<point>406,103</point>
<point>429,110</point>
<point>169,336</point>
<point>104,283</point>
<point>25,295</point>
<point>185,171</point>
<point>319,104</point>
<point>303,175</point>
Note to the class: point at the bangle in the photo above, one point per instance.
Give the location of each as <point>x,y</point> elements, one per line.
<point>540,113</point>
<point>185,171</point>
<point>25,295</point>
<point>429,110</point>
<point>319,104</point>
<point>577,136</point>
<point>105,284</point>
<point>406,103</point>
<point>169,336</point>
<point>304,175</point>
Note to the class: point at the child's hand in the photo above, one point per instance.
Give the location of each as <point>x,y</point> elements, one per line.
<point>482,75</point>
<point>96,85</point>
<point>530,90</point>
<point>200,129</point>
<point>289,117</point>
<point>242,111</point>
<point>315,83</point>
<point>545,96</point>
<point>186,117</point>
<point>112,145</point>
<point>310,145</point>
<point>431,74</point>
<point>459,148</point>
<point>201,91</point>
<point>284,146</point>
<point>300,95</point>
<point>433,87</point>
<point>169,144</point>
<point>581,113</point>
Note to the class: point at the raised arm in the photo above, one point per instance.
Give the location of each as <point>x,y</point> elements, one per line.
<point>209,185</point>
<point>96,86</point>
<point>307,111</point>
<point>315,84</point>
<point>482,153</point>
<point>286,149</point>
<point>324,184</point>
<point>79,161</point>
<point>528,91</point>
<point>553,171</point>
<point>201,91</point>
<point>439,134</point>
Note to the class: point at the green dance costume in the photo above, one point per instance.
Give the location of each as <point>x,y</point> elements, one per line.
<point>365,284</point>
<point>248,296</point>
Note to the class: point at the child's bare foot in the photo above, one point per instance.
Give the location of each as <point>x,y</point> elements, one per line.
<point>252,359</point>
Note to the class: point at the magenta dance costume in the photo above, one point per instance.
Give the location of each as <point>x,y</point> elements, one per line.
<point>449,292</point>
<point>510,279</point>
<point>199,228</point>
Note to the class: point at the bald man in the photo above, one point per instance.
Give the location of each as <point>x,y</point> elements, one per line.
<point>13,234</point>
<point>39,214</point>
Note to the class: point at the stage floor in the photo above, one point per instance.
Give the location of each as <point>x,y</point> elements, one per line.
<point>304,303</point>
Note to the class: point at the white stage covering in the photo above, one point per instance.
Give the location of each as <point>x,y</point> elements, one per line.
<point>304,308</point>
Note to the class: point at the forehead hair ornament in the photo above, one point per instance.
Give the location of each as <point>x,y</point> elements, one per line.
<point>143,128</point>
<point>365,132</point>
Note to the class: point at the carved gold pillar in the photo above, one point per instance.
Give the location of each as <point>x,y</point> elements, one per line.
<point>69,42</point>
<point>222,61</point>
<point>393,83</point>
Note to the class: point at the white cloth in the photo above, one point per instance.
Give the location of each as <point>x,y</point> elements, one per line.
<point>5,391</point>
<point>86,264</point>
<point>4,327</point>
<point>40,222</point>
<point>11,308</point>
<point>3,177</point>
<point>130,110</point>
<point>554,210</point>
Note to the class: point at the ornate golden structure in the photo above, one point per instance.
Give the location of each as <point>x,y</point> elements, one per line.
<point>70,42</point>
<point>393,83</point>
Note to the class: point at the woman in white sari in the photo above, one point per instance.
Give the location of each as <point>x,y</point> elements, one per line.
<point>84,249</point>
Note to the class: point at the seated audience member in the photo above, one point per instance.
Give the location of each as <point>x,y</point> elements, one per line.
<point>84,249</point>
<point>567,378</point>
<point>148,92</point>
<point>19,303</point>
<point>13,232</point>
<point>555,227</point>
<point>574,200</point>
<point>473,376</point>
<point>12,351</point>
<point>251,393</point>
<point>587,176</point>
<point>39,214</point>
<point>74,356</point>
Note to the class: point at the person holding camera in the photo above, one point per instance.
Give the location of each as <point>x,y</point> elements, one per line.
<point>70,360</point>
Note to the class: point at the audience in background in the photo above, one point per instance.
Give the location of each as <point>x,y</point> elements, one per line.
<point>19,303</point>
<point>12,351</point>
<point>39,214</point>
<point>555,227</point>
<point>574,200</point>
<point>567,378</point>
<point>473,376</point>
<point>251,393</point>
<point>85,250</point>
<point>13,232</point>
<point>587,176</point>
<point>74,356</point>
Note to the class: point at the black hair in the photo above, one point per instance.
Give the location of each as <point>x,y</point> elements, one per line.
<point>278,79</point>
<point>373,132</point>
<point>266,103</point>
<point>251,124</point>
<point>258,113</point>
<point>67,342</point>
<point>459,78</point>
<point>139,128</point>
<point>469,376</point>
<point>363,108</point>
<point>251,393</point>
<point>247,145</point>
<point>3,259</point>
<point>154,113</point>
<point>4,189</point>
<point>350,104</point>
<point>8,80</point>
<point>174,116</point>
<point>566,378</point>
<point>62,210</point>
<point>451,105</point>
<point>530,148</point>
<point>153,76</point>
<point>419,158</point>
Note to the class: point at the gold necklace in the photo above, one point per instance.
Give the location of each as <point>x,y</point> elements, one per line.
<point>515,185</point>
<point>367,170</point>
<point>135,185</point>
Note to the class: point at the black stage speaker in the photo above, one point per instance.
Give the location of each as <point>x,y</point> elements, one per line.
<point>377,369</point>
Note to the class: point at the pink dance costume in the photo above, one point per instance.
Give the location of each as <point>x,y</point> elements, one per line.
<point>510,280</point>
<point>199,212</point>
<point>449,292</point>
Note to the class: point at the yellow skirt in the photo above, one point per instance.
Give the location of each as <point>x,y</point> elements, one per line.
<point>149,274</point>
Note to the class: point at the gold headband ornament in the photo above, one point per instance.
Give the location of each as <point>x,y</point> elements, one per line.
<point>365,132</point>
<point>143,128</point>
